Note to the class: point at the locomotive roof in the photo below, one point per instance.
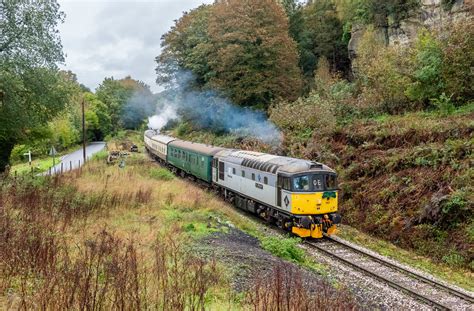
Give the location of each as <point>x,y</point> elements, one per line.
<point>158,137</point>
<point>271,163</point>
<point>196,147</point>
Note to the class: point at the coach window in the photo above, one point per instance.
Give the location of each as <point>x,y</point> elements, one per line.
<point>265,180</point>
<point>253,176</point>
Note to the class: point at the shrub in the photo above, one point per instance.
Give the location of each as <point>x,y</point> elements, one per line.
<point>457,208</point>
<point>305,114</point>
<point>317,111</point>
<point>381,74</point>
<point>444,104</point>
<point>427,61</point>
<point>458,60</point>
<point>454,259</point>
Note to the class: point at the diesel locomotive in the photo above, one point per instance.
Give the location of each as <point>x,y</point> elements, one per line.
<point>298,195</point>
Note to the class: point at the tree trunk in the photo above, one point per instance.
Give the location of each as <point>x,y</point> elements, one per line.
<point>6,148</point>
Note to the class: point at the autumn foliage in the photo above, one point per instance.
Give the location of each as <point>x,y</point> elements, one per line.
<point>241,48</point>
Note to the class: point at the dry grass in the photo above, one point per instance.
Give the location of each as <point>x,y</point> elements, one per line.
<point>287,289</point>
<point>105,238</point>
<point>96,240</point>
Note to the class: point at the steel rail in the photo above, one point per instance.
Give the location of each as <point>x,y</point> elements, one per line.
<point>379,277</point>
<point>413,274</point>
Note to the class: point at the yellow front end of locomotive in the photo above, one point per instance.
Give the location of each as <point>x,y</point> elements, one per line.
<point>317,203</point>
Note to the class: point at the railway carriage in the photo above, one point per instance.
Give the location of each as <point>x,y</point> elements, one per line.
<point>157,145</point>
<point>192,158</point>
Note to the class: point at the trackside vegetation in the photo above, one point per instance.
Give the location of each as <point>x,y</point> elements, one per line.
<point>82,239</point>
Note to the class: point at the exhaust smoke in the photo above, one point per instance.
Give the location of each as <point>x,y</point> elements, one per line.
<point>211,111</point>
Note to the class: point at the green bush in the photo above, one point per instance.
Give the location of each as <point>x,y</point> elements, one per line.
<point>454,259</point>
<point>448,4</point>
<point>17,153</point>
<point>444,104</point>
<point>286,248</point>
<point>427,61</point>
<point>161,174</point>
<point>101,155</point>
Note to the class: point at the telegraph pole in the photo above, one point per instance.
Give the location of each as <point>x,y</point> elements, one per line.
<point>83,133</point>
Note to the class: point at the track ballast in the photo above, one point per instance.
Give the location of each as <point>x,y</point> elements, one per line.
<point>426,290</point>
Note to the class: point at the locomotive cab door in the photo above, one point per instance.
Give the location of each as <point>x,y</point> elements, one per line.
<point>278,189</point>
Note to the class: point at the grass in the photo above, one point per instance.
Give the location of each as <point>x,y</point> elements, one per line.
<point>458,276</point>
<point>160,173</point>
<point>38,165</point>
<point>286,248</point>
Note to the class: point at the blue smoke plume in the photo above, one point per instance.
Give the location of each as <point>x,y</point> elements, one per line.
<point>211,111</point>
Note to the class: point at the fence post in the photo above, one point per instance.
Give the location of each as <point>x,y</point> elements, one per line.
<point>70,165</point>
<point>62,167</point>
<point>49,171</point>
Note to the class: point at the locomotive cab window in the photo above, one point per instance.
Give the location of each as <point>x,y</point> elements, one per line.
<point>301,183</point>
<point>253,176</point>
<point>318,183</point>
<point>243,173</point>
<point>265,180</point>
<point>331,182</point>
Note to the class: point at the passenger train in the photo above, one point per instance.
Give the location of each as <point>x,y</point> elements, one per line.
<point>298,195</point>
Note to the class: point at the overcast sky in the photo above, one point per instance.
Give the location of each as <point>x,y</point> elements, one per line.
<point>104,38</point>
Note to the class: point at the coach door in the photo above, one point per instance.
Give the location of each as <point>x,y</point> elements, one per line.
<point>221,170</point>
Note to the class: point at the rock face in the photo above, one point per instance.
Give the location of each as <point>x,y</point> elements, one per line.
<point>431,14</point>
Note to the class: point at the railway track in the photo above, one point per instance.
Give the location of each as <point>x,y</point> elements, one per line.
<point>426,290</point>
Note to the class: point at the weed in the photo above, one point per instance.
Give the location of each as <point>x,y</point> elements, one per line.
<point>454,259</point>
<point>286,248</point>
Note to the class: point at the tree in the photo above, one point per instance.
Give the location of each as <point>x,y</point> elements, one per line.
<point>254,59</point>
<point>31,90</point>
<point>128,102</point>
<point>323,37</point>
<point>375,11</point>
<point>103,127</point>
<point>187,47</point>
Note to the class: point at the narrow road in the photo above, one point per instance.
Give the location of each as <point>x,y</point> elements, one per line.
<point>75,160</point>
